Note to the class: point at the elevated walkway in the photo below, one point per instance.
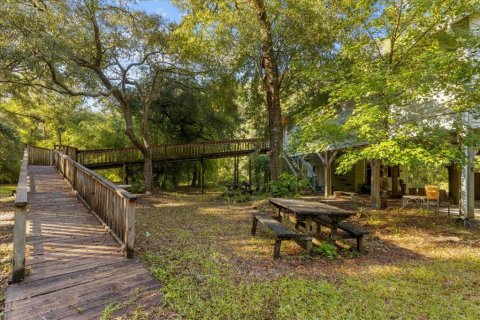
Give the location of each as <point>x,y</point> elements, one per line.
<point>109,158</point>
<point>74,268</point>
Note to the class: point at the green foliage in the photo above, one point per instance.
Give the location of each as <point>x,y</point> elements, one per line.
<point>261,171</point>
<point>326,249</point>
<point>123,61</point>
<point>6,190</point>
<point>392,78</point>
<point>113,174</point>
<point>10,150</point>
<point>169,185</point>
<point>226,37</point>
<point>287,186</point>
<point>419,177</point>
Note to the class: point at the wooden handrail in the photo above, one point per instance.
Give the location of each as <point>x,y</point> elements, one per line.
<point>20,223</point>
<point>40,156</point>
<point>68,150</point>
<point>112,205</point>
<point>115,187</point>
<point>165,152</point>
<point>177,145</point>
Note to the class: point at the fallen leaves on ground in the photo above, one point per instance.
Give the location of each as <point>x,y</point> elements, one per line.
<point>417,264</point>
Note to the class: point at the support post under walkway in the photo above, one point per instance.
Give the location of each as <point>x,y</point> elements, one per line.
<point>202,176</point>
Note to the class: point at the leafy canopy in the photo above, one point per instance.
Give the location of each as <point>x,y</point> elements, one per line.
<point>404,75</point>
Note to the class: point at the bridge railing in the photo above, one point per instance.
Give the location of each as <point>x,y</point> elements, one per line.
<point>171,151</point>
<point>112,205</point>
<point>20,222</point>
<point>68,150</point>
<point>40,156</point>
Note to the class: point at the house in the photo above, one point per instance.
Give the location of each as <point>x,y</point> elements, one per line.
<point>364,177</point>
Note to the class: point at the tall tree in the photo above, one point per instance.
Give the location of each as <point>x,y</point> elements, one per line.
<point>271,80</point>
<point>92,48</point>
<point>267,44</point>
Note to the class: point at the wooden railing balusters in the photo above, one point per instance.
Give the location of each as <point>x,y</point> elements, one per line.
<point>39,156</point>
<point>120,156</point>
<point>102,197</point>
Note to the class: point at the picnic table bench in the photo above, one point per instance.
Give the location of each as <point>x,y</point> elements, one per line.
<point>243,187</point>
<point>281,233</point>
<point>413,198</point>
<point>352,231</point>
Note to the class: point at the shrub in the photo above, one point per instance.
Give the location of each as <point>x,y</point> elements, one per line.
<point>287,186</point>
<point>326,249</point>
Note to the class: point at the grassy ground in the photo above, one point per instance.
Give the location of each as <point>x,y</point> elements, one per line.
<point>6,238</point>
<point>6,190</point>
<point>418,265</point>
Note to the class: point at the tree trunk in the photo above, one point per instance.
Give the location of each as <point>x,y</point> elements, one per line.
<point>271,81</point>
<point>467,185</point>
<point>375,183</point>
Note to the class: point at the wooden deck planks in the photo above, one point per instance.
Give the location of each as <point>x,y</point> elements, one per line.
<point>74,268</point>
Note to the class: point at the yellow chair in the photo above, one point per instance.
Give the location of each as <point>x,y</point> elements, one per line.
<point>432,193</point>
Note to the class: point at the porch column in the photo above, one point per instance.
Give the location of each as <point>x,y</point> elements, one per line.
<point>327,158</point>
<point>328,180</point>
<point>467,185</point>
<point>375,183</point>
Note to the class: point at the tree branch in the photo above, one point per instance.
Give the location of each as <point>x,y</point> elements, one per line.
<point>66,89</point>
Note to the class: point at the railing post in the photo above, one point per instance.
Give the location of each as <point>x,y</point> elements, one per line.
<point>19,242</point>
<point>129,228</point>
<point>20,223</point>
<point>74,178</point>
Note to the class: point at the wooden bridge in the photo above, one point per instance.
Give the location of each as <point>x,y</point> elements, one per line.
<point>108,158</point>
<point>73,247</point>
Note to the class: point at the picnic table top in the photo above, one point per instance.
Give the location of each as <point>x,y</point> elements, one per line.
<point>312,208</point>
<point>414,196</point>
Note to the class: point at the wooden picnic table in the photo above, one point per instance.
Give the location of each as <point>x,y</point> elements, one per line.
<point>415,198</point>
<point>308,211</point>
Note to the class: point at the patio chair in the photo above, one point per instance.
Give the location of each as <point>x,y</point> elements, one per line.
<point>432,194</point>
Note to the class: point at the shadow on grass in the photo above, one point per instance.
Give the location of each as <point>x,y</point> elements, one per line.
<point>228,229</point>
<point>211,267</point>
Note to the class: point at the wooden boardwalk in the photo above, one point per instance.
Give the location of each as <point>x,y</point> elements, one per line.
<point>112,158</point>
<point>74,268</point>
